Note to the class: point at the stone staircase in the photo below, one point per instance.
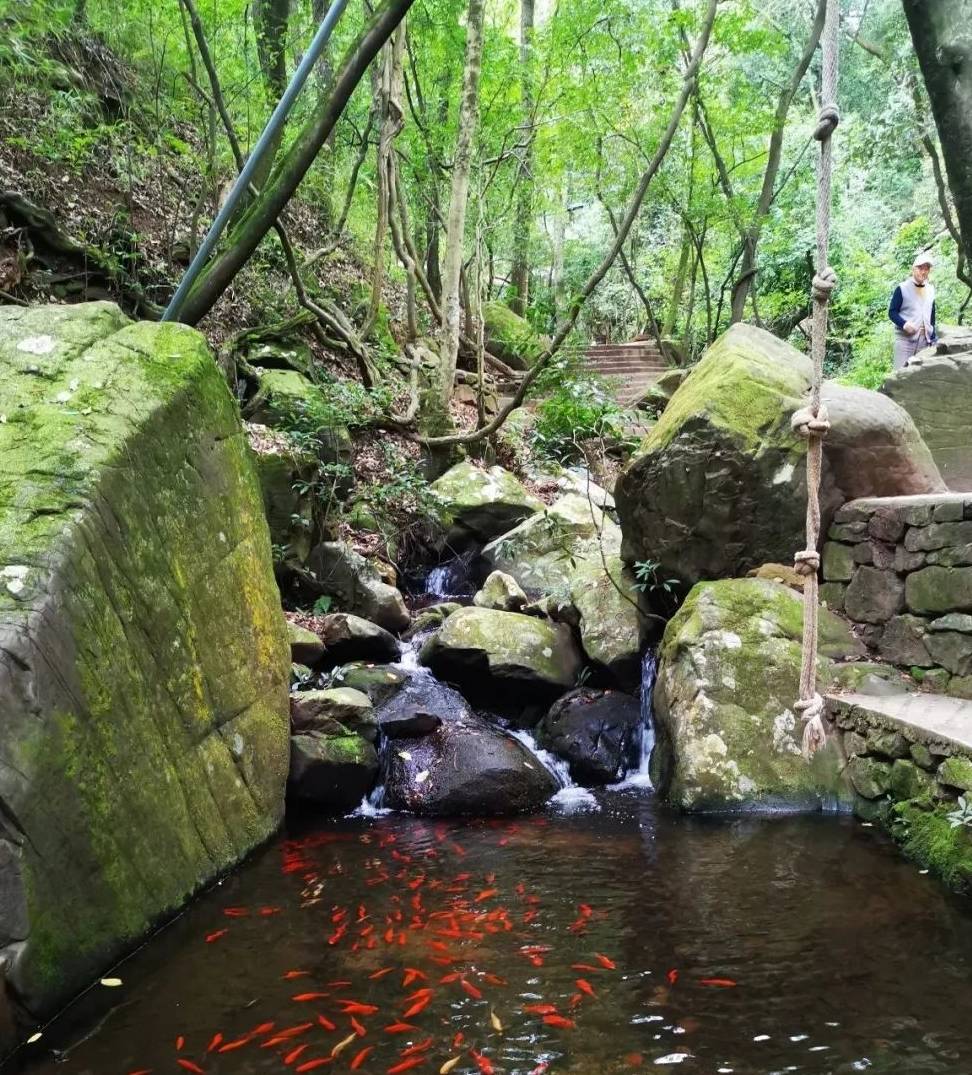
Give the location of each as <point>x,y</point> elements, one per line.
<point>630,368</point>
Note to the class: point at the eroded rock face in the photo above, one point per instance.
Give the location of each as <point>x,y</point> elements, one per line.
<point>729,669</point>
<point>503,653</point>
<point>358,586</point>
<point>465,767</point>
<point>719,484</point>
<point>483,503</point>
<point>594,731</point>
<point>936,391</point>
<point>331,772</point>
<point>501,592</point>
<point>353,638</point>
<point>612,628</point>
<point>143,654</point>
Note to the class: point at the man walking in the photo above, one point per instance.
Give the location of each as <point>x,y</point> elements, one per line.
<point>912,310</point>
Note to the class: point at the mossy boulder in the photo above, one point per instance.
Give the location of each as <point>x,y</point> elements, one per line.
<point>321,710</point>
<point>331,772</point>
<point>286,477</point>
<point>511,337</point>
<point>357,585</point>
<point>352,638</point>
<point>378,681</point>
<point>719,484</point>
<point>502,592</point>
<point>306,647</point>
<point>728,675</point>
<point>481,503</point>
<point>143,653</point>
<point>492,654</point>
<point>612,627</point>
<point>544,552</point>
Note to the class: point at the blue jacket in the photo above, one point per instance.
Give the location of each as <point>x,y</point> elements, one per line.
<point>894,312</point>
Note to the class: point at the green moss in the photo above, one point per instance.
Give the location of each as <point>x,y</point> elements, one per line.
<point>512,336</point>
<point>927,837</point>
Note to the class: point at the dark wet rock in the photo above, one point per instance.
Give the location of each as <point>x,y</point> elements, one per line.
<point>351,638</point>
<point>430,617</point>
<point>466,767</point>
<point>594,731</point>
<point>331,772</point>
<point>321,710</point>
<point>143,654</point>
<point>305,646</point>
<point>378,681</point>
<point>357,585</point>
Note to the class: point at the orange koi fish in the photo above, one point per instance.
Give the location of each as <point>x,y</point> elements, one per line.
<point>237,1043</point>
<point>188,1065</point>
<point>560,1021</point>
<point>400,1028</point>
<point>411,1062</point>
<point>540,1009</point>
<point>216,1040</point>
<point>723,983</point>
<point>486,894</point>
<point>380,973</point>
<point>482,1062</point>
<point>413,975</point>
<point>358,1028</point>
<point>361,1057</point>
<point>607,964</point>
<point>301,997</point>
<point>235,912</point>
<point>419,1047</point>
<point>355,1007</point>
<point>586,967</point>
<point>419,1006</point>
<point>288,976</point>
<point>294,1053</point>
<point>540,1068</point>
<point>672,977</point>
<point>313,1065</point>
<point>469,988</point>
<point>215,935</point>
<point>180,1042</point>
<point>585,987</point>
<point>326,1023</point>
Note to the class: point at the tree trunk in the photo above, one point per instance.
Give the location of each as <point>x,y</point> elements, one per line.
<point>292,167</point>
<point>456,223</point>
<point>270,21</point>
<point>520,273</point>
<point>940,32</point>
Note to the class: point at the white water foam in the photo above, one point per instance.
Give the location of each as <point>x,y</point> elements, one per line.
<point>640,777</point>
<point>570,799</point>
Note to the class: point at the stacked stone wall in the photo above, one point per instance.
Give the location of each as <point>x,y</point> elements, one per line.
<point>900,568</point>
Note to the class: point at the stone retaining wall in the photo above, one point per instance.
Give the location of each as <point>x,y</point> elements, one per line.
<point>900,568</point>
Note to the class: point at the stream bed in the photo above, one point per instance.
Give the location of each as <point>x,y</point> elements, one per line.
<point>626,939</point>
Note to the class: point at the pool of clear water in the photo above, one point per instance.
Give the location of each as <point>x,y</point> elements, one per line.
<point>626,940</point>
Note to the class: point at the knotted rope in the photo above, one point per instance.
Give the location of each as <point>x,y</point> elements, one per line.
<point>811,421</point>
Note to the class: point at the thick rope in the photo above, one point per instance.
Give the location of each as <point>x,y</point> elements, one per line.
<point>811,421</point>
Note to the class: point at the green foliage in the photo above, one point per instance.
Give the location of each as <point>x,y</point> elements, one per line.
<point>961,816</point>
<point>647,580</point>
<point>579,410</point>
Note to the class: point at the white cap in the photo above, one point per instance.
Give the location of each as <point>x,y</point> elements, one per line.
<point>923,258</point>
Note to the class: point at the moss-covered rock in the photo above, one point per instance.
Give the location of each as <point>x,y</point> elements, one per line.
<point>319,710</point>
<point>286,476</point>
<point>511,337</point>
<point>358,585</point>
<point>927,837</point>
<point>501,592</point>
<point>143,654</point>
<point>306,648</point>
<point>728,736</point>
<point>482,504</point>
<point>492,653</point>
<point>378,681</point>
<point>956,772</point>
<point>331,772</point>
<point>612,627</point>
<point>871,777</point>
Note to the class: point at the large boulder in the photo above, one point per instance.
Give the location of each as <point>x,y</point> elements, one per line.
<point>936,390</point>
<point>286,478</point>
<point>594,731</point>
<point>358,586</point>
<point>331,772</point>
<point>482,504</point>
<point>465,767</point>
<point>728,675</point>
<point>543,553</point>
<point>500,655</point>
<point>612,627</point>
<point>143,653</point>
<point>335,711</point>
<point>719,484</point>
<point>353,638</point>
<point>512,338</point>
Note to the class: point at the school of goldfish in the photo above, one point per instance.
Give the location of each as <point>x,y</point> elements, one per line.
<point>402,983</point>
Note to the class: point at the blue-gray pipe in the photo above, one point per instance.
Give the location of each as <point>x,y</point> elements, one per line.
<point>242,184</point>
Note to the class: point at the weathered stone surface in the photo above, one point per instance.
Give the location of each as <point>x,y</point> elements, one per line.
<point>910,782</point>
<point>887,741</point>
<point>287,399</point>
<point>956,772</point>
<point>951,650</point>
<point>728,676</point>
<point>466,767</point>
<point>305,647</point>
<point>611,626</point>
<point>922,756</point>
<point>832,595</point>
<point>854,743</point>
<point>501,592</point>
<point>848,532</point>
<point>960,687</point>
<point>143,654</point>
<point>594,731</point>
<point>485,503</point>
<point>934,590</point>
<point>937,393</point>
<point>718,485</point>
<point>938,535</point>
<point>511,337</point>
<point>903,642</point>
<point>869,677</point>
<point>905,561</point>
<point>543,552</point>
<point>357,585</point>
<point>485,651</point>
<point>954,621</point>
<point>352,638</point>
<point>949,511</point>
<point>785,573</point>
<point>886,524</point>
<point>331,772</point>
<point>874,596</point>
<point>378,681</point>
<point>320,710</point>
<point>957,556</point>
<point>871,778</point>
<point>838,562</point>
<point>284,472</point>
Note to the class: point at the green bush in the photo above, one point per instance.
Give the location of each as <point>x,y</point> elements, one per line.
<point>580,410</point>
<point>873,358</point>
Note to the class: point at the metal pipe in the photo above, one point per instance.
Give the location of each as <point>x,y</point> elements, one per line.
<point>242,184</point>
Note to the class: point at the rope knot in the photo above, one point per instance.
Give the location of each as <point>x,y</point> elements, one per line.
<point>807,424</point>
<point>806,562</point>
<point>814,733</point>
<point>823,285</point>
<point>827,119</point>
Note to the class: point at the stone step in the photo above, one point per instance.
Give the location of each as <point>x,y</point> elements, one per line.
<point>929,717</point>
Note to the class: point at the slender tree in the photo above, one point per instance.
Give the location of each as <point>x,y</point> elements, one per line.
<point>520,273</point>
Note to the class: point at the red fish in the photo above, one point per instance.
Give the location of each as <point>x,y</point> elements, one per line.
<point>289,975</point>
<point>188,1065</point>
<point>672,977</point>
<point>235,912</point>
<point>326,1023</point>
<point>419,1006</point>
<point>380,973</point>
<point>419,1047</point>
<point>585,967</point>
<point>469,988</point>
<point>486,894</point>
<point>361,1057</point>
<point>413,975</point>
<point>180,1042</point>
<point>294,1053</point>
<point>540,1068</point>
<point>238,1043</point>
<point>358,1028</point>
<point>411,1062</point>
<point>634,1060</point>
<point>560,1021</point>
<point>482,1062</point>
<point>585,987</point>
<point>724,983</point>
<point>494,979</point>
<point>457,1040</point>
<point>141,1071</point>
<point>217,1039</point>
<point>313,1065</point>
<point>215,935</point>
<point>608,964</point>
<point>301,997</point>
<point>267,911</point>
<point>399,1028</point>
<point>540,1009</point>
<point>355,1007</point>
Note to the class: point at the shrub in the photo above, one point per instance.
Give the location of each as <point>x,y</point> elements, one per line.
<point>578,411</point>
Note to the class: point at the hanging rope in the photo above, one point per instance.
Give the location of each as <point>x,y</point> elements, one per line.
<point>811,421</point>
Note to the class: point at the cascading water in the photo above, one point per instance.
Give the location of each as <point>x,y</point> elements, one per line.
<point>639,776</point>
<point>451,579</point>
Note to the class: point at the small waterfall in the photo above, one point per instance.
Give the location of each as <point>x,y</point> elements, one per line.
<point>640,776</point>
<point>571,798</point>
<point>451,579</point>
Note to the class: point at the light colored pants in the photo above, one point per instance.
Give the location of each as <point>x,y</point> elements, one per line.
<point>906,347</point>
